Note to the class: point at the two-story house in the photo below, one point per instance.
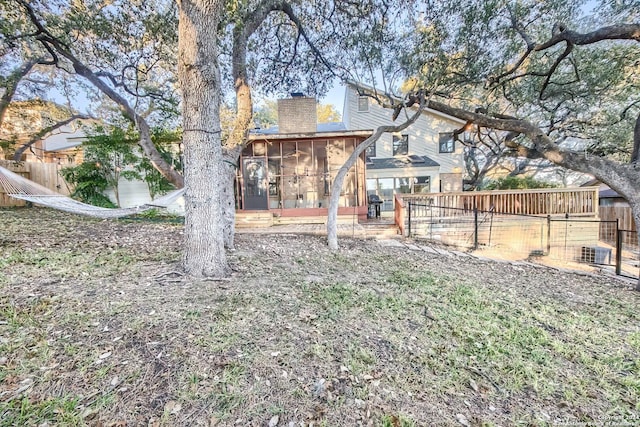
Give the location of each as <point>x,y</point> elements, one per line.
<point>424,158</point>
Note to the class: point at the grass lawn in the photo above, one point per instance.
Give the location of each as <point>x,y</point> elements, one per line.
<point>98,327</point>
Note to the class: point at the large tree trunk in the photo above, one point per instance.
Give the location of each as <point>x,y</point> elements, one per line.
<point>336,187</point>
<point>635,210</point>
<point>230,159</point>
<point>199,75</point>
<point>635,152</point>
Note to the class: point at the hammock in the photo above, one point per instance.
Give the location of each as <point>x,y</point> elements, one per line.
<point>19,187</point>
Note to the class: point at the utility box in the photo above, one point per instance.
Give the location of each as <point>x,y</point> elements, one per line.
<point>595,255</point>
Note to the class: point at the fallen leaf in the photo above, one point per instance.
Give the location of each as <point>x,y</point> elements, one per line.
<point>273,422</point>
<point>463,420</point>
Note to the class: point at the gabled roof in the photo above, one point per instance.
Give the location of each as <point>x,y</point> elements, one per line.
<point>401,162</point>
<point>372,89</point>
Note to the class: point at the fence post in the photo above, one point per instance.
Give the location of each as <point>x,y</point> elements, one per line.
<point>409,216</point>
<point>475,226</point>
<point>548,234</point>
<point>618,248</point>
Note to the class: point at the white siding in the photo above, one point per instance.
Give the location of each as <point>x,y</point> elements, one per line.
<point>67,137</point>
<point>423,134</point>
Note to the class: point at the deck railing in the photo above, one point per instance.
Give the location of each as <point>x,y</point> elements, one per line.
<point>399,213</point>
<point>582,201</point>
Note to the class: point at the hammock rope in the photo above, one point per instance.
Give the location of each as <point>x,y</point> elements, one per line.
<point>19,187</point>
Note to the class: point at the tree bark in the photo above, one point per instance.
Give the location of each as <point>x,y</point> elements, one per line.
<point>11,83</point>
<point>635,210</point>
<point>199,76</point>
<point>635,152</point>
<point>244,114</point>
<point>338,182</point>
<point>230,161</point>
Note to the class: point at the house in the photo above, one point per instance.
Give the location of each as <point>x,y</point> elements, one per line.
<point>423,158</point>
<point>606,195</point>
<point>24,119</point>
<point>287,171</point>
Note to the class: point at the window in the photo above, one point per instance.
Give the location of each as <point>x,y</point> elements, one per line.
<point>386,188</point>
<point>447,144</point>
<point>363,104</point>
<point>403,185</point>
<point>422,184</point>
<point>371,150</point>
<point>400,145</point>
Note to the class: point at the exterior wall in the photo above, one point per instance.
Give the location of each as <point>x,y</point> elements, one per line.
<point>431,172</point>
<point>297,115</point>
<point>423,134</point>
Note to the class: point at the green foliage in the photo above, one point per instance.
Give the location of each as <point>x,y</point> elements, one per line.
<point>266,115</point>
<point>112,155</point>
<point>60,411</point>
<point>7,146</point>
<point>515,183</point>
<point>108,156</point>
<point>164,140</point>
<point>89,184</point>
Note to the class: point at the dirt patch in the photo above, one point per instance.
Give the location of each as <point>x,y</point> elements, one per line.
<point>99,327</point>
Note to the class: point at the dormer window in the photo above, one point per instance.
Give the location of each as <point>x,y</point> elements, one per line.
<point>363,104</point>
<point>400,145</point>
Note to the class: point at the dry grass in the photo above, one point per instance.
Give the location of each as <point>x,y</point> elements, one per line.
<point>97,327</point>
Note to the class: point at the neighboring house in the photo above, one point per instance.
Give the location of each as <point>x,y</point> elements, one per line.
<point>63,147</point>
<point>607,196</point>
<point>22,122</point>
<point>288,170</point>
<point>423,158</point>
<point>612,206</point>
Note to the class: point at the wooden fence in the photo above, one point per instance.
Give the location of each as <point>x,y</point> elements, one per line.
<point>621,213</point>
<point>581,201</point>
<point>45,174</point>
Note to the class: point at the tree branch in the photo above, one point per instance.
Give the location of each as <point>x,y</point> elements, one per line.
<point>44,132</point>
<point>56,46</point>
<point>11,83</point>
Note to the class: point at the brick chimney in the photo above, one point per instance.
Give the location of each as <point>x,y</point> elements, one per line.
<point>297,114</point>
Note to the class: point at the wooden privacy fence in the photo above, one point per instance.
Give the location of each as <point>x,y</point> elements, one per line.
<point>621,213</point>
<point>45,174</point>
<point>581,201</point>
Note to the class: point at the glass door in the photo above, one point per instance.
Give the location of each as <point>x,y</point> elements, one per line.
<point>256,185</point>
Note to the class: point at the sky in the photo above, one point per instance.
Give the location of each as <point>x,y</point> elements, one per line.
<point>336,97</point>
